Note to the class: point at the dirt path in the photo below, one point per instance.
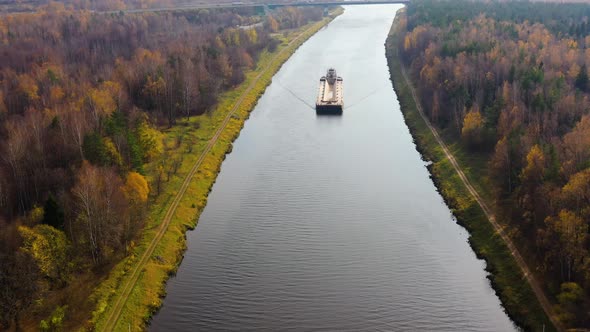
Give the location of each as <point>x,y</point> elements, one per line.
<point>136,272</point>
<point>539,293</point>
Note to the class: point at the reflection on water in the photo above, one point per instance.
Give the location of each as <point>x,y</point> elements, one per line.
<point>329,222</point>
<point>336,115</point>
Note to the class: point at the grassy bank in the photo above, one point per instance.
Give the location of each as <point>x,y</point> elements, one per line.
<point>196,141</point>
<point>506,277</point>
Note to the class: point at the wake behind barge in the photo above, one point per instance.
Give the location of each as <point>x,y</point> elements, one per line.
<point>330,99</point>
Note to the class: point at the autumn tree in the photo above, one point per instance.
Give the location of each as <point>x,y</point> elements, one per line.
<point>504,167</point>
<point>101,150</point>
<point>576,193</point>
<point>472,130</point>
<point>101,210</point>
<point>570,298</point>
<point>103,101</point>
<point>55,321</point>
<point>17,287</point>
<point>570,232</point>
<point>14,152</point>
<point>50,249</point>
<point>18,277</point>
<point>272,24</point>
<point>576,147</point>
<point>531,198</point>
<point>136,191</point>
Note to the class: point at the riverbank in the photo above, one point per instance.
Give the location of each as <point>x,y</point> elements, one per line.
<point>511,285</point>
<point>132,293</point>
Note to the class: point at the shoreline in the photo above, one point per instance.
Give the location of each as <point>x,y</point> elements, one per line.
<point>506,278</point>
<point>181,205</point>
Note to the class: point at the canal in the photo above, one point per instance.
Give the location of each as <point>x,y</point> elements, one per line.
<point>330,223</point>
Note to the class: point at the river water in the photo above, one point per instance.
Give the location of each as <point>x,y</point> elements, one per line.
<point>330,223</point>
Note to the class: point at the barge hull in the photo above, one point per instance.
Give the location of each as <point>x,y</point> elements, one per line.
<point>328,109</point>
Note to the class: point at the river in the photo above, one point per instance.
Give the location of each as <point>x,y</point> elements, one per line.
<point>330,222</point>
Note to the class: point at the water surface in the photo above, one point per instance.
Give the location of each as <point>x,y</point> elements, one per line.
<point>330,223</point>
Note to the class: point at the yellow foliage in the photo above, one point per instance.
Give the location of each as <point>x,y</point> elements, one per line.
<point>573,71</point>
<point>219,43</point>
<point>572,43</point>
<point>136,188</point>
<point>111,150</point>
<point>49,247</point>
<point>232,37</point>
<point>114,88</point>
<point>56,94</point>
<point>576,142</point>
<point>571,230</point>
<point>472,127</point>
<point>535,165</point>
<point>102,99</point>
<point>407,42</point>
<point>28,86</point>
<point>252,35</point>
<point>155,87</point>
<point>578,187</point>
<point>150,140</point>
<point>35,216</point>
<point>143,56</point>
<point>51,71</point>
<point>414,37</point>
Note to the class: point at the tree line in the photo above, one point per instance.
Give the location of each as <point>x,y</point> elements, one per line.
<point>509,81</point>
<point>82,98</point>
<point>11,6</point>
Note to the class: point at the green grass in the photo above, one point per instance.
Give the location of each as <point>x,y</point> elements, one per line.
<point>506,277</point>
<point>149,290</point>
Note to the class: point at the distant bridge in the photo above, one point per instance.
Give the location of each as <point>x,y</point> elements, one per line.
<point>270,4</point>
<point>336,3</point>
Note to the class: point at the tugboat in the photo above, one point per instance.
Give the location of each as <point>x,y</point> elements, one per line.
<point>330,99</point>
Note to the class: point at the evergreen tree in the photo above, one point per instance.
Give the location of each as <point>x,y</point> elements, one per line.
<point>53,214</point>
<point>582,79</point>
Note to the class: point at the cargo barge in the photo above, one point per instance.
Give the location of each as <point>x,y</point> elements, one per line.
<point>330,100</point>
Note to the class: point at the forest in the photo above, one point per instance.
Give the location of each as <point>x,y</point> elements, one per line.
<point>508,82</point>
<point>83,97</point>
<point>11,6</point>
